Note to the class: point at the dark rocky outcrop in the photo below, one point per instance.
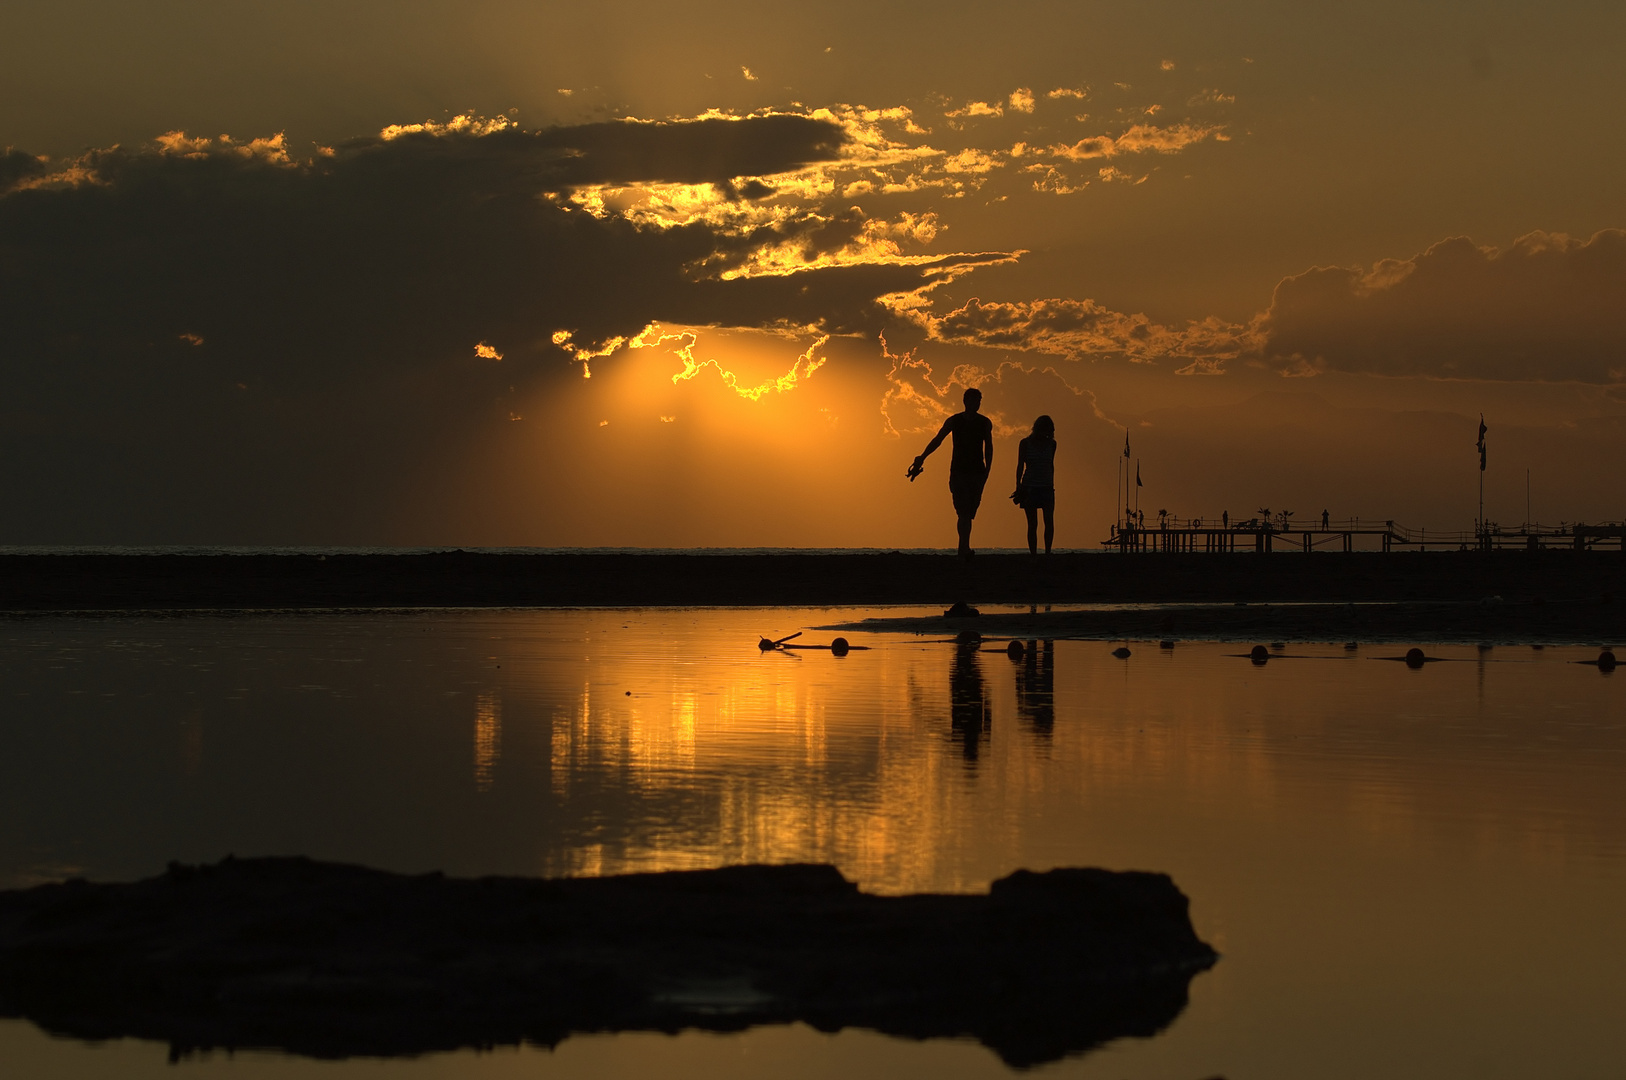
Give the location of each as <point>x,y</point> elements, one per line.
<point>331,961</point>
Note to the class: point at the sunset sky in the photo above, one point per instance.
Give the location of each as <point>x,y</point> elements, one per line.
<point>638,274</point>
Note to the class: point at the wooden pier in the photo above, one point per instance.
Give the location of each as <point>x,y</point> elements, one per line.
<point>1263,537</point>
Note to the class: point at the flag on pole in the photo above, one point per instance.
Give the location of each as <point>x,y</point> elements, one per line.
<point>1126,444</point>
<point>1137,475</point>
<point>1481,446</point>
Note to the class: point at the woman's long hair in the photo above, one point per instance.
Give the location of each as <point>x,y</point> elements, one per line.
<point>1044,427</point>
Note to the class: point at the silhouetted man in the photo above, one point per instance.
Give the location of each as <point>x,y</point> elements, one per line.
<point>972,461</point>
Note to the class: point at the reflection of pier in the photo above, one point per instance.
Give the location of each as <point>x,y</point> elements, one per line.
<point>1264,536</point>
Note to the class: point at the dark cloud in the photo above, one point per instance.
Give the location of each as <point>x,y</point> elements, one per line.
<point>1548,308</point>
<point>17,167</point>
<point>206,340</point>
<point>1083,329</point>
<point>691,152</point>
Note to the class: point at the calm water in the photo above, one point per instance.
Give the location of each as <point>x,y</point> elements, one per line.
<point>1408,873</point>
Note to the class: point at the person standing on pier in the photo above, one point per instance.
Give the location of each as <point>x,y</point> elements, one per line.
<point>1036,481</point>
<point>972,461</point>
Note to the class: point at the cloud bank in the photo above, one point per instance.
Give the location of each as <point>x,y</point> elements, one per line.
<point>216,333</point>
<point>1548,308</point>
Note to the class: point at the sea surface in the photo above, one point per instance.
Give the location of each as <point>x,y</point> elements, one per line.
<point>1408,873</point>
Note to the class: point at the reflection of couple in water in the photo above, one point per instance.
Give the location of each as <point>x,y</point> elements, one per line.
<point>973,460</point>
<point>970,711</point>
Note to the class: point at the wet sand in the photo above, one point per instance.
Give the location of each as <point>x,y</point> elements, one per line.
<point>1589,621</point>
<point>115,582</point>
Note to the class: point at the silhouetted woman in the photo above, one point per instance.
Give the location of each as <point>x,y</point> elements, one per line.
<point>1036,481</point>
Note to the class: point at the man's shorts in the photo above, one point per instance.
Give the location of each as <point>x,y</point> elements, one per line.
<point>966,488</point>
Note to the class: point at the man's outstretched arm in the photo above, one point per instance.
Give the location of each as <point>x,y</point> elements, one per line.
<point>920,462</point>
<point>937,440</point>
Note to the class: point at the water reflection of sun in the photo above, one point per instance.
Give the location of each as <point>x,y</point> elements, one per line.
<point>487,740</point>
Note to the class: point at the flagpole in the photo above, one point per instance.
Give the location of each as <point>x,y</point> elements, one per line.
<point>1480,529</point>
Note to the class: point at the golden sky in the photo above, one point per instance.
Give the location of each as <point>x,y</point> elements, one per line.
<point>334,273</point>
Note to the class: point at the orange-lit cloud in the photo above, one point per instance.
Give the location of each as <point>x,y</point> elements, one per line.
<point>976,108</point>
<point>916,403</point>
<point>272,149</point>
<point>1139,139</point>
<point>586,354</point>
<point>462,124</point>
<point>800,369</point>
<point>1083,329</point>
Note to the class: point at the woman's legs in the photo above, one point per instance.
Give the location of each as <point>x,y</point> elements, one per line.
<point>1033,528</point>
<point>1049,528</point>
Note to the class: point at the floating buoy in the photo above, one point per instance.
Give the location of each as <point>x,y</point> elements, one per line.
<point>1165,644</point>
<point>1415,658</point>
<point>839,646</point>
<point>1606,661</point>
<point>968,637</point>
<point>1121,653</point>
<point>1352,645</point>
<point>1277,646</point>
<point>1259,654</point>
<point>1014,650</point>
<point>766,644</point>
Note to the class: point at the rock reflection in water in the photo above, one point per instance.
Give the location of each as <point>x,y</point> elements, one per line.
<point>335,961</point>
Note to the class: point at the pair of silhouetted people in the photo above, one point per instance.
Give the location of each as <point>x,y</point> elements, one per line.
<point>973,460</point>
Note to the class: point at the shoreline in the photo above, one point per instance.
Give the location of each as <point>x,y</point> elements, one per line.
<point>112,582</point>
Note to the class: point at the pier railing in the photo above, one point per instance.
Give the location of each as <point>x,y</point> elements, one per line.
<point>1171,533</point>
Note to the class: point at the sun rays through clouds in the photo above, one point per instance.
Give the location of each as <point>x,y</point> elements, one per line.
<point>800,258</point>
